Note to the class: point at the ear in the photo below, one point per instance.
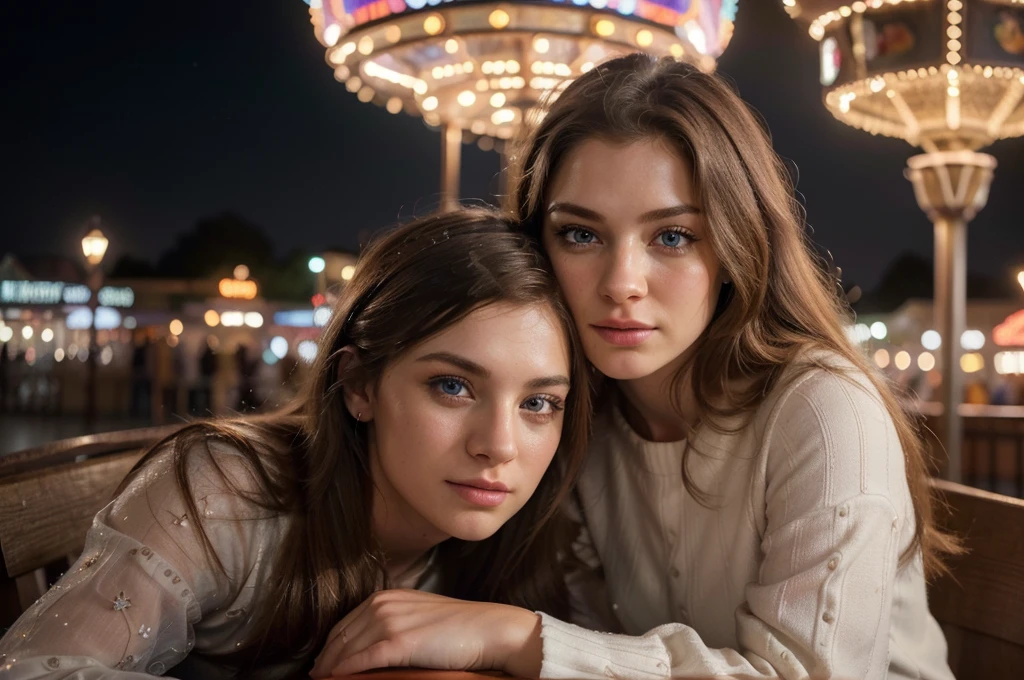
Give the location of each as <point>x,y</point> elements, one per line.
<point>357,392</point>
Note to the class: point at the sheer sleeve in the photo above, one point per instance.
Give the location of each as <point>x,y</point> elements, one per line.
<point>128,608</point>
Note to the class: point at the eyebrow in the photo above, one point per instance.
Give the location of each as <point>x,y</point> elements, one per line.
<point>476,369</point>
<point>649,216</point>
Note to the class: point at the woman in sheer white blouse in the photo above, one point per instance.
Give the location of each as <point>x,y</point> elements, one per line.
<point>419,455</point>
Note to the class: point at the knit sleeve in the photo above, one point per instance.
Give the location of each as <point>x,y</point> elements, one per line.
<point>836,502</point>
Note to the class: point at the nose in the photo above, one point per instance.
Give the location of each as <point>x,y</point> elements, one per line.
<point>624,277</point>
<point>494,436</point>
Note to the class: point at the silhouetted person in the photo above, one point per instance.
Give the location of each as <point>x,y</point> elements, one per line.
<point>246,370</point>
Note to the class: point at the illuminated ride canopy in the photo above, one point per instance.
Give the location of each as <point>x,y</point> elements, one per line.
<point>485,67</point>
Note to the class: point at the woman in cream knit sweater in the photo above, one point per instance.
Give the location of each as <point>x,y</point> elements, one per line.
<point>755,503</point>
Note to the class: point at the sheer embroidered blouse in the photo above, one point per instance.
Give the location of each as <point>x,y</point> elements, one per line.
<point>144,598</point>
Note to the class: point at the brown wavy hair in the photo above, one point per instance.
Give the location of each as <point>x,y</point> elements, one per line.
<point>782,300</point>
<point>311,460</point>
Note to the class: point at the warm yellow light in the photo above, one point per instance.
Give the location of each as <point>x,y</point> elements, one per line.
<point>604,27</point>
<point>676,50</point>
<point>394,105</point>
<point>902,360</point>
<point>46,335</point>
<point>233,288</point>
<point>502,116</point>
<point>972,363</point>
<point>347,272</point>
<point>429,104</point>
<point>498,100</point>
<point>466,98</point>
<point>499,19</point>
<point>353,84</point>
<point>882,358</point>
<point>177,327</point>
<point>26,332</point>
<point>644,38</point>
<point>212,318</point>
<point>94,246</point>
<point>365,94</point>
<point>393,34</point>
<point>541,45</point>
<point>433,24</point>
<point>926,361</point>
<point>365,45</point>
<point>241,272</point>
<point>451,45</point>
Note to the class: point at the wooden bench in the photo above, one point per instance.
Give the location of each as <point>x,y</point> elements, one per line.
<point>48,497</point>
<point>981,605</point>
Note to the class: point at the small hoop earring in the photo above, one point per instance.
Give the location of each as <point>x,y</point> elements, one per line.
<point>359,416</point>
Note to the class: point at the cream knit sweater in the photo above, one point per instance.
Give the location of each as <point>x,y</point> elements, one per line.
<point>791,573</point>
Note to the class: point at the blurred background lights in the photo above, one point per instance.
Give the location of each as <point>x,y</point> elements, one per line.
<point>972,340</point>
<point>316,264</point>
<point>902,360</point>
<point>931,340</point>
<point>879,330</point>
<point>307,351</point>
<point>279,346</point>
<point>972,362</point>
<point>926,361</point>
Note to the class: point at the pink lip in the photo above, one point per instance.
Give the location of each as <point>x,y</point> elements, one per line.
<point>624,324</point>
<point>486,497</point>
<point>626,333</point>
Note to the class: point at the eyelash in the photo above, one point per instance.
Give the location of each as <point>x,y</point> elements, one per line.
<point>556,404</point>
<point>564,232</point>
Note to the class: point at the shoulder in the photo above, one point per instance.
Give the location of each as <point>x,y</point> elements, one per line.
<point>224,481</point>
<point>824,388</point>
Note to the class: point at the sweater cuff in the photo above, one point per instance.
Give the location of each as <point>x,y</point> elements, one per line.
<point>573,652</point>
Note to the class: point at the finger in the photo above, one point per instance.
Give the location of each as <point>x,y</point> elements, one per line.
<point>352,625</point>
<point>382,654</point>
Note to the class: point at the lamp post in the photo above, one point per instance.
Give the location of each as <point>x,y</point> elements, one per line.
<point>944,75</point>
<point>94,247</point>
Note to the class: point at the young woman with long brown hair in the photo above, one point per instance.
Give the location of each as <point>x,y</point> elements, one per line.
<point>755,502</point>
<point>445,419</point>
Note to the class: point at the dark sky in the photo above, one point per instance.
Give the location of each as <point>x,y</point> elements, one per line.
<point>154,114</point>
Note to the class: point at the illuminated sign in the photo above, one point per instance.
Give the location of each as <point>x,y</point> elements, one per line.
<point>1010,333</point>
<point>241,290</point>
<point>57,292</point>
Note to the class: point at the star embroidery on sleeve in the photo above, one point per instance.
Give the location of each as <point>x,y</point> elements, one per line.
<point>121,602</point>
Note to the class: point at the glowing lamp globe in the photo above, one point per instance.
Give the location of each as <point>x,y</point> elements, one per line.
<point>486,67</point>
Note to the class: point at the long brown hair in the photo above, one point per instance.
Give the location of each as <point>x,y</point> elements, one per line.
<point>781,300</point>
<point>311,460</point>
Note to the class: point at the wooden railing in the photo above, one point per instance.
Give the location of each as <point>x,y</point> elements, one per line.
<point>993,445</point>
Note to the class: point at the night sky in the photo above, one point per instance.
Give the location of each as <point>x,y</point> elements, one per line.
<point>154,114</point>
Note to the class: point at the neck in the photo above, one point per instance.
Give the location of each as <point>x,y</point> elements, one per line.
<point>648,407</point>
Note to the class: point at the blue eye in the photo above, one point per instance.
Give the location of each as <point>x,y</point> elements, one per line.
<point>450,386</point>
<point>579,236</point>
<point>535,404</point>
<point>671,239</point>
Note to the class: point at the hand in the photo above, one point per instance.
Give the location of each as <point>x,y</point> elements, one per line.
<point>410,628</point>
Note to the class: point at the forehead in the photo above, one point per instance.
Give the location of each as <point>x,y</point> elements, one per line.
<point>623,179</point>
<point>511,339</point>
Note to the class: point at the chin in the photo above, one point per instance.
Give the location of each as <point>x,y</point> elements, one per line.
<point>474,529</point>
<point>626,367</point>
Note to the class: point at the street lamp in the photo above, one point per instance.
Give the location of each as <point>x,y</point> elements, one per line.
<point>946,76</point>
<point>94,247</point>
